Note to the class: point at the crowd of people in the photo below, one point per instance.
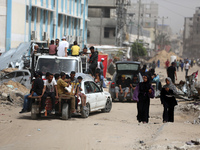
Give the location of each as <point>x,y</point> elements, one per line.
<point>54,86</point>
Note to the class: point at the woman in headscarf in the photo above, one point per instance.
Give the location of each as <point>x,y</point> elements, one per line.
<point>168,100</point>
<point>142,95</point>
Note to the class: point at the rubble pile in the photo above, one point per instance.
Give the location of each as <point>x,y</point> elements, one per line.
<point>163,56</point>
<point>193,110</point>
<point>12,93</point>
<point>8,70</point>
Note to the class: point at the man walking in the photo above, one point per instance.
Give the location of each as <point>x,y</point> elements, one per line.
<point>171,72</point>
<point>187,67</point>
<point>62,49</point>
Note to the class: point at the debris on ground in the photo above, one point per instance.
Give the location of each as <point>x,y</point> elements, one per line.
<point>12,93</point>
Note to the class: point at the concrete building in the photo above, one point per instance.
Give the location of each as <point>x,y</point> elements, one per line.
<point>102,24</point>
<point>148,13</point>
<point>148,21</point>
<point>42,20</point>
<point>191,35</point>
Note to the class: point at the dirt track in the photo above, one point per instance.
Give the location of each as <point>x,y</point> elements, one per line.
<point>117,130</point>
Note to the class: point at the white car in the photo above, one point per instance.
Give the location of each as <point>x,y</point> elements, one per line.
<point>97,99</point>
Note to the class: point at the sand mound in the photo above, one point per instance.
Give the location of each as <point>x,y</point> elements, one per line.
<point>17,86</point>
<point>163,56</point>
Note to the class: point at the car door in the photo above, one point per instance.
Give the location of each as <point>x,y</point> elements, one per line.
<point>19,77</point>
<point>90,96</point>
<point>100,99</point>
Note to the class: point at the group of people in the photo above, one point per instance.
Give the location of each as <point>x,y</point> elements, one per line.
<point>184,65</point>
<point>144,91</point>
<point>55,86</point>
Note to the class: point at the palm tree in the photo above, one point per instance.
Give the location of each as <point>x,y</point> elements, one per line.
<point>162,40</point>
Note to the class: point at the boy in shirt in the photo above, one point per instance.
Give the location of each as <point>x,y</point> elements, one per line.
<point>82,95</point>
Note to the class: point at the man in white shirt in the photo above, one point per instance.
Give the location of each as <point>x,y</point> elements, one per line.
<point>62,49</point>
<point>50,89</point>
<point>187,67</point>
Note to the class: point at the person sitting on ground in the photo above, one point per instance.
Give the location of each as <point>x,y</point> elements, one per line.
<point>62,90</point>
<point>50,89</point>
<point>36,90</point>
<point>168,100</point>
<point>122,87</point>
<point>75,49</point>
<point>52,48</point>
<point>82,95</point>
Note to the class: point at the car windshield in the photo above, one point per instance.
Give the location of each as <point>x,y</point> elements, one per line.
<point>57,65</point>
<point>133,67</point>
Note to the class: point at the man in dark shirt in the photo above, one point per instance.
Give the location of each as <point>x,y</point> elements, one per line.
<point>93,61</point>
<point>122,87</point>
<point>36,90</point>
<point>171,72</point>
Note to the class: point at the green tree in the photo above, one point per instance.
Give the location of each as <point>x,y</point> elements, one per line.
<point>162,40</point>
<point>138,49</point>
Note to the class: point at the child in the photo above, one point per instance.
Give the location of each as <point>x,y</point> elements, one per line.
<point>82,95</point>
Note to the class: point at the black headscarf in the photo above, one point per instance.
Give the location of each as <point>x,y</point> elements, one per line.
<point>144,86</point>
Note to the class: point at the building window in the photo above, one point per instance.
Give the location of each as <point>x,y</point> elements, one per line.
<point>33,14</point>
<point>88,33</point>
<point>106,32</point>
<point>106,12</point>
<point>44,16</point>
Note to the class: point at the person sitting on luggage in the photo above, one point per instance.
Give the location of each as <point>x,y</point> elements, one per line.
<point>122,87</point>
<point>62,90</point>
<point>50,89</point>
<point>82,95</point>
<point>36,90</point>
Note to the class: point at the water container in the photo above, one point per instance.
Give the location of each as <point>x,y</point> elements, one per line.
<point>172,58</point>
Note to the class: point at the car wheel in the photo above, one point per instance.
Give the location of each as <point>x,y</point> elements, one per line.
<point>65,111</point>
<point>85,113</point>
<point>108,106</point>
<point>35,111</point>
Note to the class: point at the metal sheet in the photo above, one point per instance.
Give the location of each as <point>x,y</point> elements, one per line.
<point>14,56</point>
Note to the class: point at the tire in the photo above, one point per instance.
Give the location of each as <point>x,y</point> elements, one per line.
<point>65,111</point>
<point>108,106</point>
<point>35,111</point>
<point>85,113</point>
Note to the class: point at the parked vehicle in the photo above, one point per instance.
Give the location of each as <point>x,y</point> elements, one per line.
<point>21,76</point>
<point>129,69</point>
<point>96,100</point>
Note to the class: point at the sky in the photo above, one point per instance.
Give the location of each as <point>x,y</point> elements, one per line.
<point>175,10</point>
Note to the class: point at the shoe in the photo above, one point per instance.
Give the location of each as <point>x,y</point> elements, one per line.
<point>22,111</point>
<point>124,100</point>
<point>53,112</point>
<point>43,111</point>
<point>116,99</point>
<point>85,108</point>
<point>74,114</point>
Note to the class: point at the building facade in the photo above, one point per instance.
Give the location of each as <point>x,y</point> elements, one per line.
<point>102,24</point>
<point>191,35</point>
<point>42,20</point>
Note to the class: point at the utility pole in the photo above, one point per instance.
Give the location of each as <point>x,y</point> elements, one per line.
<point>155,32</point>
<point>121,6</point>
<point>162,43</point>
<point>100,39</point>
<point>138,31</point>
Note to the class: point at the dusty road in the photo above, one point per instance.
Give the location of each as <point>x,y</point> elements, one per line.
<point>117,130</point>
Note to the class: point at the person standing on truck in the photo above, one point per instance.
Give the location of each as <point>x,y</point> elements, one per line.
<point>50,89</point>
<point>75,49</point>
<point>36,90</point>
<point>72,77</point>
<point>62,90</point>
<point>52,48</point>
<point>62,49</point>
<point>93,61</point>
